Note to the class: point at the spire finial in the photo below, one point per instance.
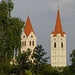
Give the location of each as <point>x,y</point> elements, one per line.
<point>58,6</point>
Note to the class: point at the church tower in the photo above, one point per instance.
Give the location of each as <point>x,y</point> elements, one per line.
<point>58,44</point>
<point>28,37</point>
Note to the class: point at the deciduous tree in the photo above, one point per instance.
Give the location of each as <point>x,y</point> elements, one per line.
<point>24,62</point>
<point>72,58</point>
<point>10,31</point>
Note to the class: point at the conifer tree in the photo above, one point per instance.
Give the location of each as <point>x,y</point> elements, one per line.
<point>39,59</point>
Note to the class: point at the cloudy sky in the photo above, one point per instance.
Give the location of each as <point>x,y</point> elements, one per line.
<point>43,15</point>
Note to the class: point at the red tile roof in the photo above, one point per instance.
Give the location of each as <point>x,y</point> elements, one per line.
<point>28,27</point>
<point>58,26</point>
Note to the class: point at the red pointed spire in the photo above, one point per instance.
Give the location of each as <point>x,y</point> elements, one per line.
<point>58,25</point>
<point>28,27</point>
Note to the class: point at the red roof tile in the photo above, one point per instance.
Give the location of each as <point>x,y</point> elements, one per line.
<point>28,27</point>
<point>58,26</point>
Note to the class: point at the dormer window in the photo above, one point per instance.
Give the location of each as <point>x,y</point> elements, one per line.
<point>23,36</point>
<point>31,36</point>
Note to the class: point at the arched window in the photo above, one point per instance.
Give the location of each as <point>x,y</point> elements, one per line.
<point>31,36</point>
<point>54,44</point>
<point>62,45</point>
<point>25,43</point>
<point>22,43</point>
<point>33,43</point>
<point>30,43</point>
<point>23,36</point>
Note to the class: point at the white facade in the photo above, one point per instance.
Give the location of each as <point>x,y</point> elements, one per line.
<point>28,42</point>
<point>28,37</point>
<point>58,50</point>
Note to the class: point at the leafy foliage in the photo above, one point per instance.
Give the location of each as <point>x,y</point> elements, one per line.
<point>24,62</point>
<point>72,58</point>
<point>10,41</point>
<point>10,32</point>
<point>38,59</point>
<point>49,70</point>
<point>38,55</point>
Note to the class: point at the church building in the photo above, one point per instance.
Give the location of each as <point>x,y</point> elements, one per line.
<point>28,37</point>
<point>58,44</point>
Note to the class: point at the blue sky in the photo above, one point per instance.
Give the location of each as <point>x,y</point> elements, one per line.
<point>43,16</point>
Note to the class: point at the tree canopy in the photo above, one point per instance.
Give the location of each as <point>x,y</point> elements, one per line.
<point>10,31</point>
<point>39,59</point>
<point>10,42</point>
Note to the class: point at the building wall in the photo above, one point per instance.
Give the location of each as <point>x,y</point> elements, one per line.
<point>28,42</point>
<point>58,51</point>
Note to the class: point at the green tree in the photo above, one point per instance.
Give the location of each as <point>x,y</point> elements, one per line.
<point>39,59</point>
<point>10,34</point>
<point>16,30</point>
<point>10,31</point>
<point>28,72</point>
<point>10,7</point>
<point>24,62</point>
<point>3,28</point>
<point>49,70</point>
<point>72,58</point>
<point>67,71</point>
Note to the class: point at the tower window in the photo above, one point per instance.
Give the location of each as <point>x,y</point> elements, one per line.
<point>23,43</point>
<point>55,45</point>
<point>33,43</point>
<point>31,36</point>
<point>62,45</point>
<point>23,36</point>
<point>30,43</point>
